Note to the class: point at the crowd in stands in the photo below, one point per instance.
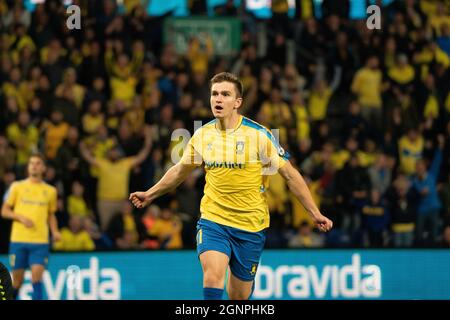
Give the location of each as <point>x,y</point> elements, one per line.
<point>364,114</point>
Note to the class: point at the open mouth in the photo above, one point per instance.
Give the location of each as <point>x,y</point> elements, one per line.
<point>218,108</point>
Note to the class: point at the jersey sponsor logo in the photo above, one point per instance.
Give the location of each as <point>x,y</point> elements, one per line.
<point>227,165</point>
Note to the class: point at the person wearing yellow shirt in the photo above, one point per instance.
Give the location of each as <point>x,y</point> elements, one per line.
<point>238,155</point>
<point>15,88</point>
<point>74,238</point>
<point>76,205</point>
<point>93,119</point>
<point>31,204</point>
<point>123,88</point>
<point>431,53</point>
<point>113,176</point>
<point>130,5</point>
<point>301,116</point>
<point>70,83</point>
<point>429,100</point>
<point>401,74</point>
<point>167,229</point>
<point>367,86</point>
<point>410,148</point>
<point>277,194</point>
<point>440,18</point>
<point>318,100</point>
<point>55,131</point>
<point>24,136</point>
<point>123,72</point>
<point>199,54</point>
<point>124,228</point>
<point>277,113</point>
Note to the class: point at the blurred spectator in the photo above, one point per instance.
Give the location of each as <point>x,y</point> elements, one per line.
<point>114,171</point>
<point>402,203</point>
<point>75,237</point>
<point>440,18</point>
<point>199,54</point>
<point>167,229</point>
<point>101,239</point>
<point>354,124</point>
<point>305,237</point>
<point>149,218</point>
<point>76,205</point>
<point>24,137</point>
<point>367,86</point>
<point>124,228</point>
<point>277,114</point>
<point>380,174</point>
<point>353,191</point>
<point>55,131</point>
<point>93,118</point>
<point>375,220</point>
<point>188,199</point>
<point>429,205</point>
<point>67,160</point>
<point>302,117</point>
<point>410,148</point>
<point>444,39</point>
<point>7,156</point>
<point>71,87</point>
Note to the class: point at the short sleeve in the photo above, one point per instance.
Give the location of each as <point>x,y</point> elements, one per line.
<point>272,155</point>
<point>192,151</point>
<point>11,195</point>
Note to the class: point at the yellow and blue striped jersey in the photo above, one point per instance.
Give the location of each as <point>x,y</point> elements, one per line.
<point>34,201</point>
<point>237,164</point>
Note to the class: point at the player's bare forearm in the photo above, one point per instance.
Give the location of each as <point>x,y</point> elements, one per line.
<point>53,223</point>
<point>299,188</point>
<point>173,177</point>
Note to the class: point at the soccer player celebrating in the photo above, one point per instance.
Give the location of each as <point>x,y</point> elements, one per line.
<point>238,154</point>
<point>31,204</point>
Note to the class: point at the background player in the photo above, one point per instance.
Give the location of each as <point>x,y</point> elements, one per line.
<point>31,204</point>
<point>238,154</point>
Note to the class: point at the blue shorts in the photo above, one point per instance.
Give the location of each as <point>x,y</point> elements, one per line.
<point>243,248</point>
<point>23,254</point>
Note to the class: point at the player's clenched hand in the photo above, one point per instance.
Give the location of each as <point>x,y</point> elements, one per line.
<point>27,222</point>
<point>323,223</point>
<point>139,199</point>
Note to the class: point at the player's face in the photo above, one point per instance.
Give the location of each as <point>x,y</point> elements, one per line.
<point>224,99</point>
<point>36,167</point>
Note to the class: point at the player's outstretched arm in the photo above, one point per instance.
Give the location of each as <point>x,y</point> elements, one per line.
<point>298,187</point>
<point>173,177</point>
